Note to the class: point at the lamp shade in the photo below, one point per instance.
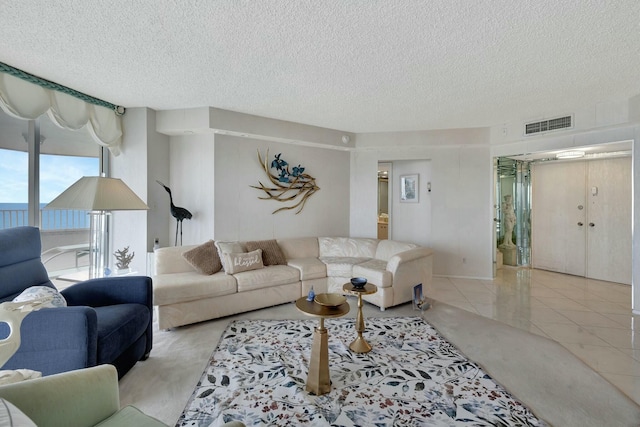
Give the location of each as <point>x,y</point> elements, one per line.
<point>97,193</point>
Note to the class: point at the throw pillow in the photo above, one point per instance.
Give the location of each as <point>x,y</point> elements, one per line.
<point>271,252</point>
<point>245,261</point>
<point>204,258</point>
<point>12,416</point>
<point>37,292</point>
<point>228,248</point>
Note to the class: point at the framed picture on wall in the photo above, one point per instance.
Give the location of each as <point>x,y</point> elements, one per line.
<point>409,188</point>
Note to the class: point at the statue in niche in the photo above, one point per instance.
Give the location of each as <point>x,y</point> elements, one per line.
<point>509,222</point>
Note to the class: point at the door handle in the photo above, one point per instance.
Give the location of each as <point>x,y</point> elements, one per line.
<point>591,224</point>
<point>580,224</point>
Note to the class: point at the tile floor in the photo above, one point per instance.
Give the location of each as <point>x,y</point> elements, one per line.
<point>590,318</point>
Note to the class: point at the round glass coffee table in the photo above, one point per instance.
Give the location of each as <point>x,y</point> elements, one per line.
<point>318,379</point>
<point>360,345</point>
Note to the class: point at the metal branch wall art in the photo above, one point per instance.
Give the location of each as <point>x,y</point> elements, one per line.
<point>287,184</point>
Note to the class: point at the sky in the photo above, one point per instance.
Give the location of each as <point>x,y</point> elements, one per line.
<point>57,173</point>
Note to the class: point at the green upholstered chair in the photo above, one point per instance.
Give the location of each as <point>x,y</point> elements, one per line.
<point>81,398</point>
<point>84,397</point>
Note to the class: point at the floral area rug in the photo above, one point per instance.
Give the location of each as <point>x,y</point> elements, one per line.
<point>412,377</point>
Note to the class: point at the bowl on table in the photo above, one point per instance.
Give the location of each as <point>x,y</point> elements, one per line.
<point>358,282</point>
<point>330,300</point>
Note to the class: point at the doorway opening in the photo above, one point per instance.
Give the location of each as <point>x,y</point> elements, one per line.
<point>512,220</point>
<point>540,199</point>
<point>384,199</point>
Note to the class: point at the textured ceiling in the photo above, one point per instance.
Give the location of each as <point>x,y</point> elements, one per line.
<point>359,66</point>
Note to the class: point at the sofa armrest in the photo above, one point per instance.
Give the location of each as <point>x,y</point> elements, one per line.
<point>81,398</point>
<point>410,268</point>
<point>110,291</point>
<point>55,340</point>
<point>409,255</point>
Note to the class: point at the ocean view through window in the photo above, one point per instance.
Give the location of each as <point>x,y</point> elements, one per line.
<point>57,173</point>
<point>38,161</point>
<point>15,215</point>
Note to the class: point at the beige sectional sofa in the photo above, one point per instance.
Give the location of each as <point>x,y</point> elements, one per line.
<point>184,296</point>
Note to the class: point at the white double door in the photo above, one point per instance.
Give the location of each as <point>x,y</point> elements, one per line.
<point>581,218</point>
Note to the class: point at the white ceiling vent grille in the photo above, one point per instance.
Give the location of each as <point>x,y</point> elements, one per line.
<point>548,125</point>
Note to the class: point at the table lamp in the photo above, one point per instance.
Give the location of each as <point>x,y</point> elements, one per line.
<point>98,195</point>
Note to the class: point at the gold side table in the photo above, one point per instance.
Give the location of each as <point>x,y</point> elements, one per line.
<point>360,345</point>
<point>318,379</point>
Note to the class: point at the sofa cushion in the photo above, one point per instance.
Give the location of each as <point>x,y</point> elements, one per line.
<point>388,248</point>
<point>271,252</point>
<point>119,326</point>
<point>227,248</point>
<point>182,287</point>
<point>204,258</point>
<point>347,247</point>
<point>266,277</point>
<point>245,261</point>
<point>299,247</point>
<point>338,266</point>
<point>310,268</point>
<point>375,271</point>
<point>169,260</point>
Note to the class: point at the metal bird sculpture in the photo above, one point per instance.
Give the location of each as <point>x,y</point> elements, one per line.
<point>178,213</point>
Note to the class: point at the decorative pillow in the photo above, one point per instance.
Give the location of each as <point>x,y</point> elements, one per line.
<point>271,252</point>
<point>228,248</point>
<point>36,292</point>
<point>12,416</point>
<point>204,258</point>
<point>244,261</point>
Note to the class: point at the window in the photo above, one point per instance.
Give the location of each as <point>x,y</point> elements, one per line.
<point>64,157</point>
<point>14,189</point>
<point>32,175</point>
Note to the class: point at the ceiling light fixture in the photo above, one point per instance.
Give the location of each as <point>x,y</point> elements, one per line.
<point>570,155</point>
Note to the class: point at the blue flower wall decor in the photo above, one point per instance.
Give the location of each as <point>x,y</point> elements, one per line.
<point>288,184</point>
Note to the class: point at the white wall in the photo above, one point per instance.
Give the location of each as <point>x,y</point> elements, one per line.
<point>193,184</point>
<point>129,227</point>
<point>240,215</point>
<point>157,169</point>
<point>612,113</point>
<point>461,181</point>
<point>212,175</point>
<point>213,163</point>
<point>209,119</point>
<point>411,222</point>
<point>635,224</point>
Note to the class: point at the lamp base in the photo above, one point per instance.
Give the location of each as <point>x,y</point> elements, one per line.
<point>98,243</point>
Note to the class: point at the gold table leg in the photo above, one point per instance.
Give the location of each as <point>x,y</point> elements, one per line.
<point>360,345</point>
<point>318,380</point>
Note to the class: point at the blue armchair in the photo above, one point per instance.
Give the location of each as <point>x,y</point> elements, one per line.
<point>107,320</point>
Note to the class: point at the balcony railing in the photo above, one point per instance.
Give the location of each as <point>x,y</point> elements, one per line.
<point>50,219</point>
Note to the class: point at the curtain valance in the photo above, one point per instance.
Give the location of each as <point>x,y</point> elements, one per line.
<point>22,99</point>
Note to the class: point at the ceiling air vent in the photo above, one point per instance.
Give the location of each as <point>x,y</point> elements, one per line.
<point>548,125</point>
